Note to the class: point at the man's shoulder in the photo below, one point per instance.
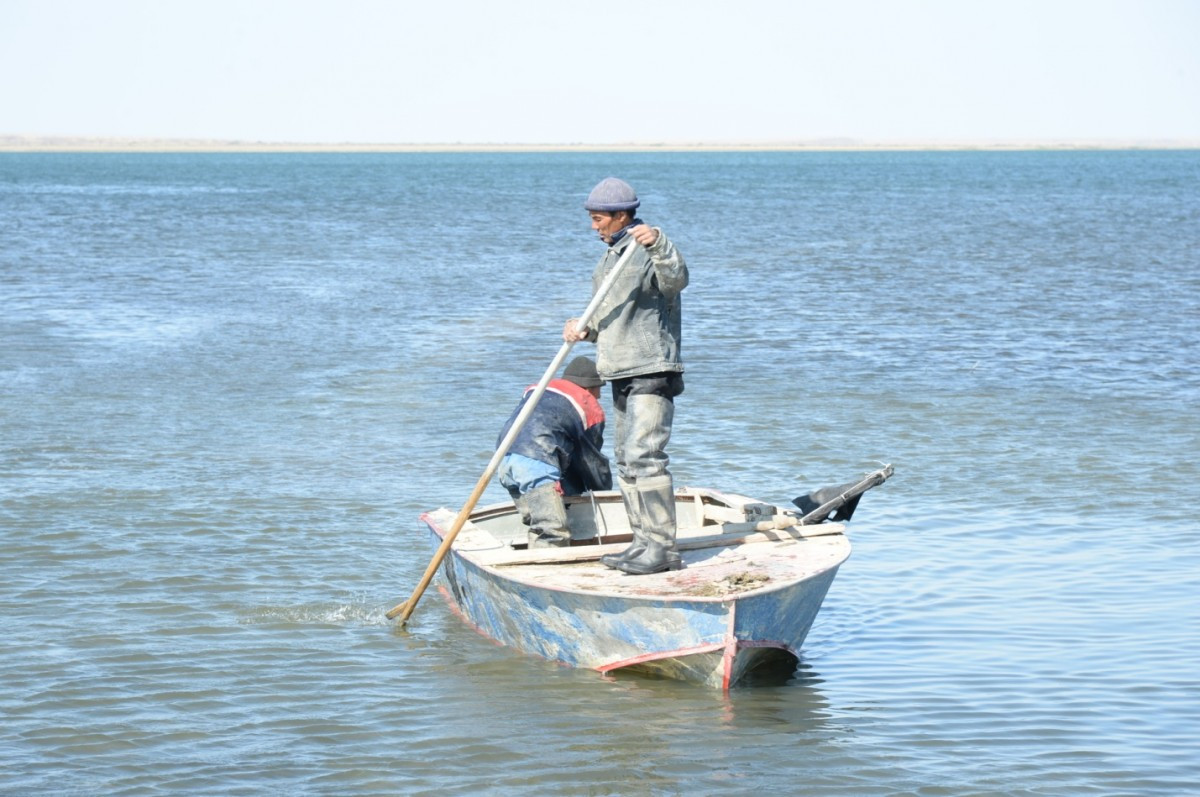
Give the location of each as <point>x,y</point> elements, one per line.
<point>581,401</point>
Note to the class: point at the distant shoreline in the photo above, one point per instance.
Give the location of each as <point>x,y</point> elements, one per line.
<point>35,143</point>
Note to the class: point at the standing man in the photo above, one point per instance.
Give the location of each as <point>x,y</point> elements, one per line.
<point>556,453</point>
<point>636,330</point>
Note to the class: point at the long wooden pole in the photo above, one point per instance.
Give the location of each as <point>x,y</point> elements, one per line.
<point>405,610</point>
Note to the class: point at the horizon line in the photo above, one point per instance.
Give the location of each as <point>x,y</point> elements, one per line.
<point>81,143</point>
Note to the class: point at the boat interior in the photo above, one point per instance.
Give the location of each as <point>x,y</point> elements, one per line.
<point>599,518</point>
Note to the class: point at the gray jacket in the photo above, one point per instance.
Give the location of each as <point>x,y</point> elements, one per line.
<point>636,328</point>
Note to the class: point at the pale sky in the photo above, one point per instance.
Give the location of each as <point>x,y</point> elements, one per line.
<point>562,71</point>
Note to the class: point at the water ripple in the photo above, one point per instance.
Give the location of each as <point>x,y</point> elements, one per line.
<point>230,385</point>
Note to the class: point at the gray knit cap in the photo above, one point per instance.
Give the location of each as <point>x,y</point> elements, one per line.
<point>582,371</point>
<point>612,194</point>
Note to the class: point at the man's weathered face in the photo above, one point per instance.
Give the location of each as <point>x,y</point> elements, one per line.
<point>607,225</point>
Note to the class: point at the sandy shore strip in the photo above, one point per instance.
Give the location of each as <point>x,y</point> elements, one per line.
<point>50,143</point>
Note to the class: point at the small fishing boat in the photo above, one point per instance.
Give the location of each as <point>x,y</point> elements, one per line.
<point>753,580</point>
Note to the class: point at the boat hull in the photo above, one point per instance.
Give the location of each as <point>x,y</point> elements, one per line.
<point>690,625</point>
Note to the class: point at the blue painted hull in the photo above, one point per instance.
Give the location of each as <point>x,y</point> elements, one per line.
<point>682,629</point>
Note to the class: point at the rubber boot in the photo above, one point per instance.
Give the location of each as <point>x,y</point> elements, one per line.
<point>522,507</point>
<point>634,513</point>
<point>656,500</point>
<point>547,518</point>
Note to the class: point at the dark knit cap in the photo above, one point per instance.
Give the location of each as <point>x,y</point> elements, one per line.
<point>610,195</point>
<point>582,371</point>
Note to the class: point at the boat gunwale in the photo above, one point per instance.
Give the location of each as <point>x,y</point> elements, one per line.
<point>509,573</point>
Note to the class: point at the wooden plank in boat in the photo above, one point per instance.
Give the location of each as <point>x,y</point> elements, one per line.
<point>502,556</point>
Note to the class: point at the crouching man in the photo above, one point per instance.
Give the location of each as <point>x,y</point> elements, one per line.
<point>557,453</point>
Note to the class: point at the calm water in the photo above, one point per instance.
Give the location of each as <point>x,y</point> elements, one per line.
<point>229,384</point>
